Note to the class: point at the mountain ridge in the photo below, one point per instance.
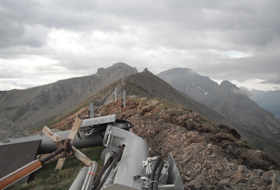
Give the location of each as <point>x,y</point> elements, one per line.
<point>37,105</point>
<point>254,122</point>
<point>143,84</point>
<point>268,100</point>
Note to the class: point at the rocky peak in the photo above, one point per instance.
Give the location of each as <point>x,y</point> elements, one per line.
<point>176,72</point>
<point>117,70</point>
<point>225,84</point>
<point>189,82</point>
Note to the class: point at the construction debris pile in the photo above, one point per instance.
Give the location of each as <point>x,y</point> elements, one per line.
<point>9,129</point>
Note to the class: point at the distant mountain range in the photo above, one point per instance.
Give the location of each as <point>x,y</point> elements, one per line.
<point>222,104</point>
<point>227,100</point>
<point>269,100</point>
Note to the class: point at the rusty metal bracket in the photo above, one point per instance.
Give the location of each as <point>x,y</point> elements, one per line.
<point>66,145</point>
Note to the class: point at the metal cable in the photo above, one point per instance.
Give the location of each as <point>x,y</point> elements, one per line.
<point>155,185</point>
<point>117,157</point>
<point>154,172</point>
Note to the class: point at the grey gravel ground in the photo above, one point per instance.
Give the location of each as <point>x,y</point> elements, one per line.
<point>9,129</point>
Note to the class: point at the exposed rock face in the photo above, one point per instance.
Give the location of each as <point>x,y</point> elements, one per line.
<point>35,106</point>
<point>117,70</point>
<point>9,129</point>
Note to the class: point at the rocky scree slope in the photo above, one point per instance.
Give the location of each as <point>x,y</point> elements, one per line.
<point>35,106</point>
<point>9,129</point>
<point>208,156</point>
<point>145,84</point>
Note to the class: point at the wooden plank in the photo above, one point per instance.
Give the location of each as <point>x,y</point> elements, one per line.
<point>54,137</point>
<point>75,129</point>
<point>60,163</point>
<point>51,134</point>
<point>87,161</point>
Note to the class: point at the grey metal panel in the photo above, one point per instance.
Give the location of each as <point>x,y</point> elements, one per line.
<point>91,110</point>
<point>119,187</point>
<point>89,177</point>
<point>174,175</point>
<point>78,182</point>
<point>135,152</point>
<point>14,156</point>
<point>98,120</point>
<point>166,187</point>
<point>124,101</point>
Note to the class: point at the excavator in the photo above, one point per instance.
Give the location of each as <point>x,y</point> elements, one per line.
<point>127,161</point>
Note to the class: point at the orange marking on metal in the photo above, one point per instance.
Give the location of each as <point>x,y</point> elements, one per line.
<point>19,173</point>
<point>91,173</point>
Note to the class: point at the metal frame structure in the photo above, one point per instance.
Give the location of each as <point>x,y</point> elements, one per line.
<point>128,164</point>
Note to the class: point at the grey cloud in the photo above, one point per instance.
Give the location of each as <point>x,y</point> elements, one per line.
<point>264,66</point>
<point>188,29</point>
<point>21,85</point>
<point>18,18</point>
<point>244,90</point>
<point>240,22</point>
<point>15,85</point>
<point>273,80</point>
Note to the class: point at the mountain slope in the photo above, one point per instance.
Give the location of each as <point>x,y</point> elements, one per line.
<point>268,100</point>
<point>226,99</point>
<point>231,103</point>
<point>206,157</point>
<point>146,84</point>
<point>253,122</point>
<point>196,86</point>
<point>35,106</point>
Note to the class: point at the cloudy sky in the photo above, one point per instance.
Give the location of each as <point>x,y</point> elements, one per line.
<point>42,41</point>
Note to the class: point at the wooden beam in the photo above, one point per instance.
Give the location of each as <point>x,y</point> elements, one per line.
<point>76,126</point>
<point>75,129</point>
<point>87,161</point>
<point>60,163</point>
<point>51,134</point>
